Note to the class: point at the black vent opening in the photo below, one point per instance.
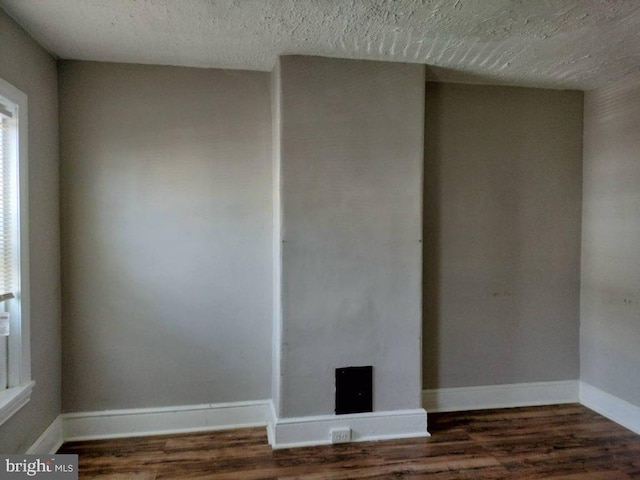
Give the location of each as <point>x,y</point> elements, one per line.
<point>354,390</point>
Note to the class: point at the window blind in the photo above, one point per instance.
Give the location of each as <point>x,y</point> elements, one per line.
<point>7,220</point>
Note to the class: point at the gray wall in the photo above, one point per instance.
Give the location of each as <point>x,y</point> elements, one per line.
<point>351,165</point>
<point>28,67</point>
<point>502,235</point>
<point>276,238</point>
<point>610,326</point>
<point>166,227</point>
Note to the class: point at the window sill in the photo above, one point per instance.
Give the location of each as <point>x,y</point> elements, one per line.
<point>13,399</point>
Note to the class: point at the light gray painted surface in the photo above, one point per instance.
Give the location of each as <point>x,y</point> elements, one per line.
<point>502,235</point>
<point>276,239</point>
<point>559,43</point>
<point>351,163</point>
<point>610,323</point>
<point>166,182</point>
<point>28,67</point>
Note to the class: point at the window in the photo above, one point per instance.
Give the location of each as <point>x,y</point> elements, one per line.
<point>15,361</point>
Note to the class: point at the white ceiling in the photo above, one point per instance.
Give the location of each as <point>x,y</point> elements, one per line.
<point>579,44</point>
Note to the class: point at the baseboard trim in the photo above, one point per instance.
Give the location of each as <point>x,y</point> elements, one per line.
<point>610,406</point>
<point>165,420</point>
<point>273,418</point>
<point>281,432</point>
<point>307,431</point>
<point>500,396</point>
<point>50,440</point>
<point>365,427</point>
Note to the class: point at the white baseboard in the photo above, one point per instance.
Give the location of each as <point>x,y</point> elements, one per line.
<point>309,431</point>
<point>610,406</point>
<point>150,421</point>
<point>273,418</point>
<point>166,420</point>
<point>306,431</point>
<point>282,433</point>
<point>500,396</point>
<point>50,440</point>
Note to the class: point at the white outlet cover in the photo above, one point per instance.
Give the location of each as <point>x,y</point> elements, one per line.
<point>341,435</point>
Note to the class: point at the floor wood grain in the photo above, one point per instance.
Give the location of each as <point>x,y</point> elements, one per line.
<point>562,442</point>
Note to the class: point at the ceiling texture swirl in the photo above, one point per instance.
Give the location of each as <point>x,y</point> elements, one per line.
<point>576,44</point>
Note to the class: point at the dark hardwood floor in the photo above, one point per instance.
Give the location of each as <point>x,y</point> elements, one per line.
<point>567,442</point>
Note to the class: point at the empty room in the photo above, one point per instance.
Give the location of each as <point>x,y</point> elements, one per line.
<point>322,239</point>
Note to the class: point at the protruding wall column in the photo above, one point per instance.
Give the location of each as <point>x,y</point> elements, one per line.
<point>348,148</point>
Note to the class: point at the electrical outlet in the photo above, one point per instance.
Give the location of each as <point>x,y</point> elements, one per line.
<point>341,435</point>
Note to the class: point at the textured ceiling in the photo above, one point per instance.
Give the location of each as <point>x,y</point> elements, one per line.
<point>579,44</point>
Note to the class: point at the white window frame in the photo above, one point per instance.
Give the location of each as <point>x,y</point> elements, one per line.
<point>19,357</point>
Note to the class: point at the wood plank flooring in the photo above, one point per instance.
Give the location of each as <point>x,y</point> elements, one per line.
<point>563,442</point>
